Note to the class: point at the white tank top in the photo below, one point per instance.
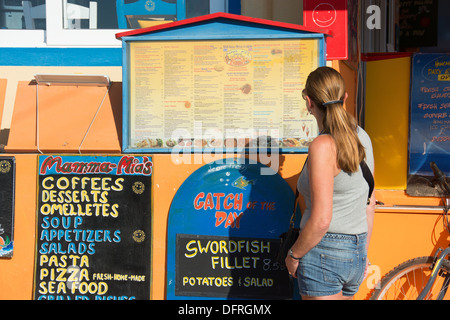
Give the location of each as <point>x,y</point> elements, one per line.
<point>349,196</point>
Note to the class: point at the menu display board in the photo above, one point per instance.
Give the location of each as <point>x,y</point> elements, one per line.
<point>93,228</point>
<point>429,138</point>
<point>219,94</point>
<point>223,233</point>
<point>7,186</point>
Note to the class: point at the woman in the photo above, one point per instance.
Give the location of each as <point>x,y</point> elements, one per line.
<point>329,257</point>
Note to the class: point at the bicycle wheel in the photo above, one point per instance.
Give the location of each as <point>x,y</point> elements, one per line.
<point>405,282</point>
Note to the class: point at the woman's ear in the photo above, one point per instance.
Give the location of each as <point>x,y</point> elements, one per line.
<point>308,104</point>
<point>345,96</point>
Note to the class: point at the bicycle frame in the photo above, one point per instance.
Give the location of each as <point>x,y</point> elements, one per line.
<point>434,274</point>
<point>440,177</point>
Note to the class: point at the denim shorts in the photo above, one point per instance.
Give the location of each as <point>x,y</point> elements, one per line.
<point>337,263</point>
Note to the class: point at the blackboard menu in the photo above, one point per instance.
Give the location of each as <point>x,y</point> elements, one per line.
<point>7,183</point>
<point>429,138</point>
<point>93,228</point>
<point>230,267</point>
<point>418,23</point>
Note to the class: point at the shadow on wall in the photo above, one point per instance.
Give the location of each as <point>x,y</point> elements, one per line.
<point>4,134</point>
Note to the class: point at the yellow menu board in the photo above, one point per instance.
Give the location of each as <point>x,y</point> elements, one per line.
<point>220,94</point>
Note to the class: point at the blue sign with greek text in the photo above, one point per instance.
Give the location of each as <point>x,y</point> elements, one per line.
<point>429,138</point>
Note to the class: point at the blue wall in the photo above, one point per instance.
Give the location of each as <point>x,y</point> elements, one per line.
<point>61,57</point>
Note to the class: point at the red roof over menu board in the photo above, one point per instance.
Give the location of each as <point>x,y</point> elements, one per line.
<point>221,15</point>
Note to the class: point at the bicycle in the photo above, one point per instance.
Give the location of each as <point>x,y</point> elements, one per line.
<point>422,278</point>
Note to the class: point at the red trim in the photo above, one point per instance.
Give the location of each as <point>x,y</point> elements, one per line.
<point>384,56</point>
<point>221,15</point>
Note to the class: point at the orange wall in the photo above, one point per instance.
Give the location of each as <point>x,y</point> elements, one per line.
<point>168,177</point>
<point>398,234</point>
<point>16,274</point>
<point>57,124</point>
<point>350,79</point>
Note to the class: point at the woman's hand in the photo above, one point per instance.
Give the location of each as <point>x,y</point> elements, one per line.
<point>366,271</point>
<point>292,265</point>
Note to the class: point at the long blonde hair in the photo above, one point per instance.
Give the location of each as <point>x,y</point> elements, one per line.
<point>325,85</point>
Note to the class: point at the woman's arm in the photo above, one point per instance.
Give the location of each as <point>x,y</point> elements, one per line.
<point>322,169</point>
<point>370,213</point>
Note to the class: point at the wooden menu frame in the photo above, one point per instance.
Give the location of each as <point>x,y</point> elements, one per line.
<point>218,93</point>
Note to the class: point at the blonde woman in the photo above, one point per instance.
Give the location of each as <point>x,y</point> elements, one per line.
<point>329,257</point>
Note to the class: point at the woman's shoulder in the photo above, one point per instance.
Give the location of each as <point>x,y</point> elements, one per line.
<point>323,142</point>
<point>323,147</point>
